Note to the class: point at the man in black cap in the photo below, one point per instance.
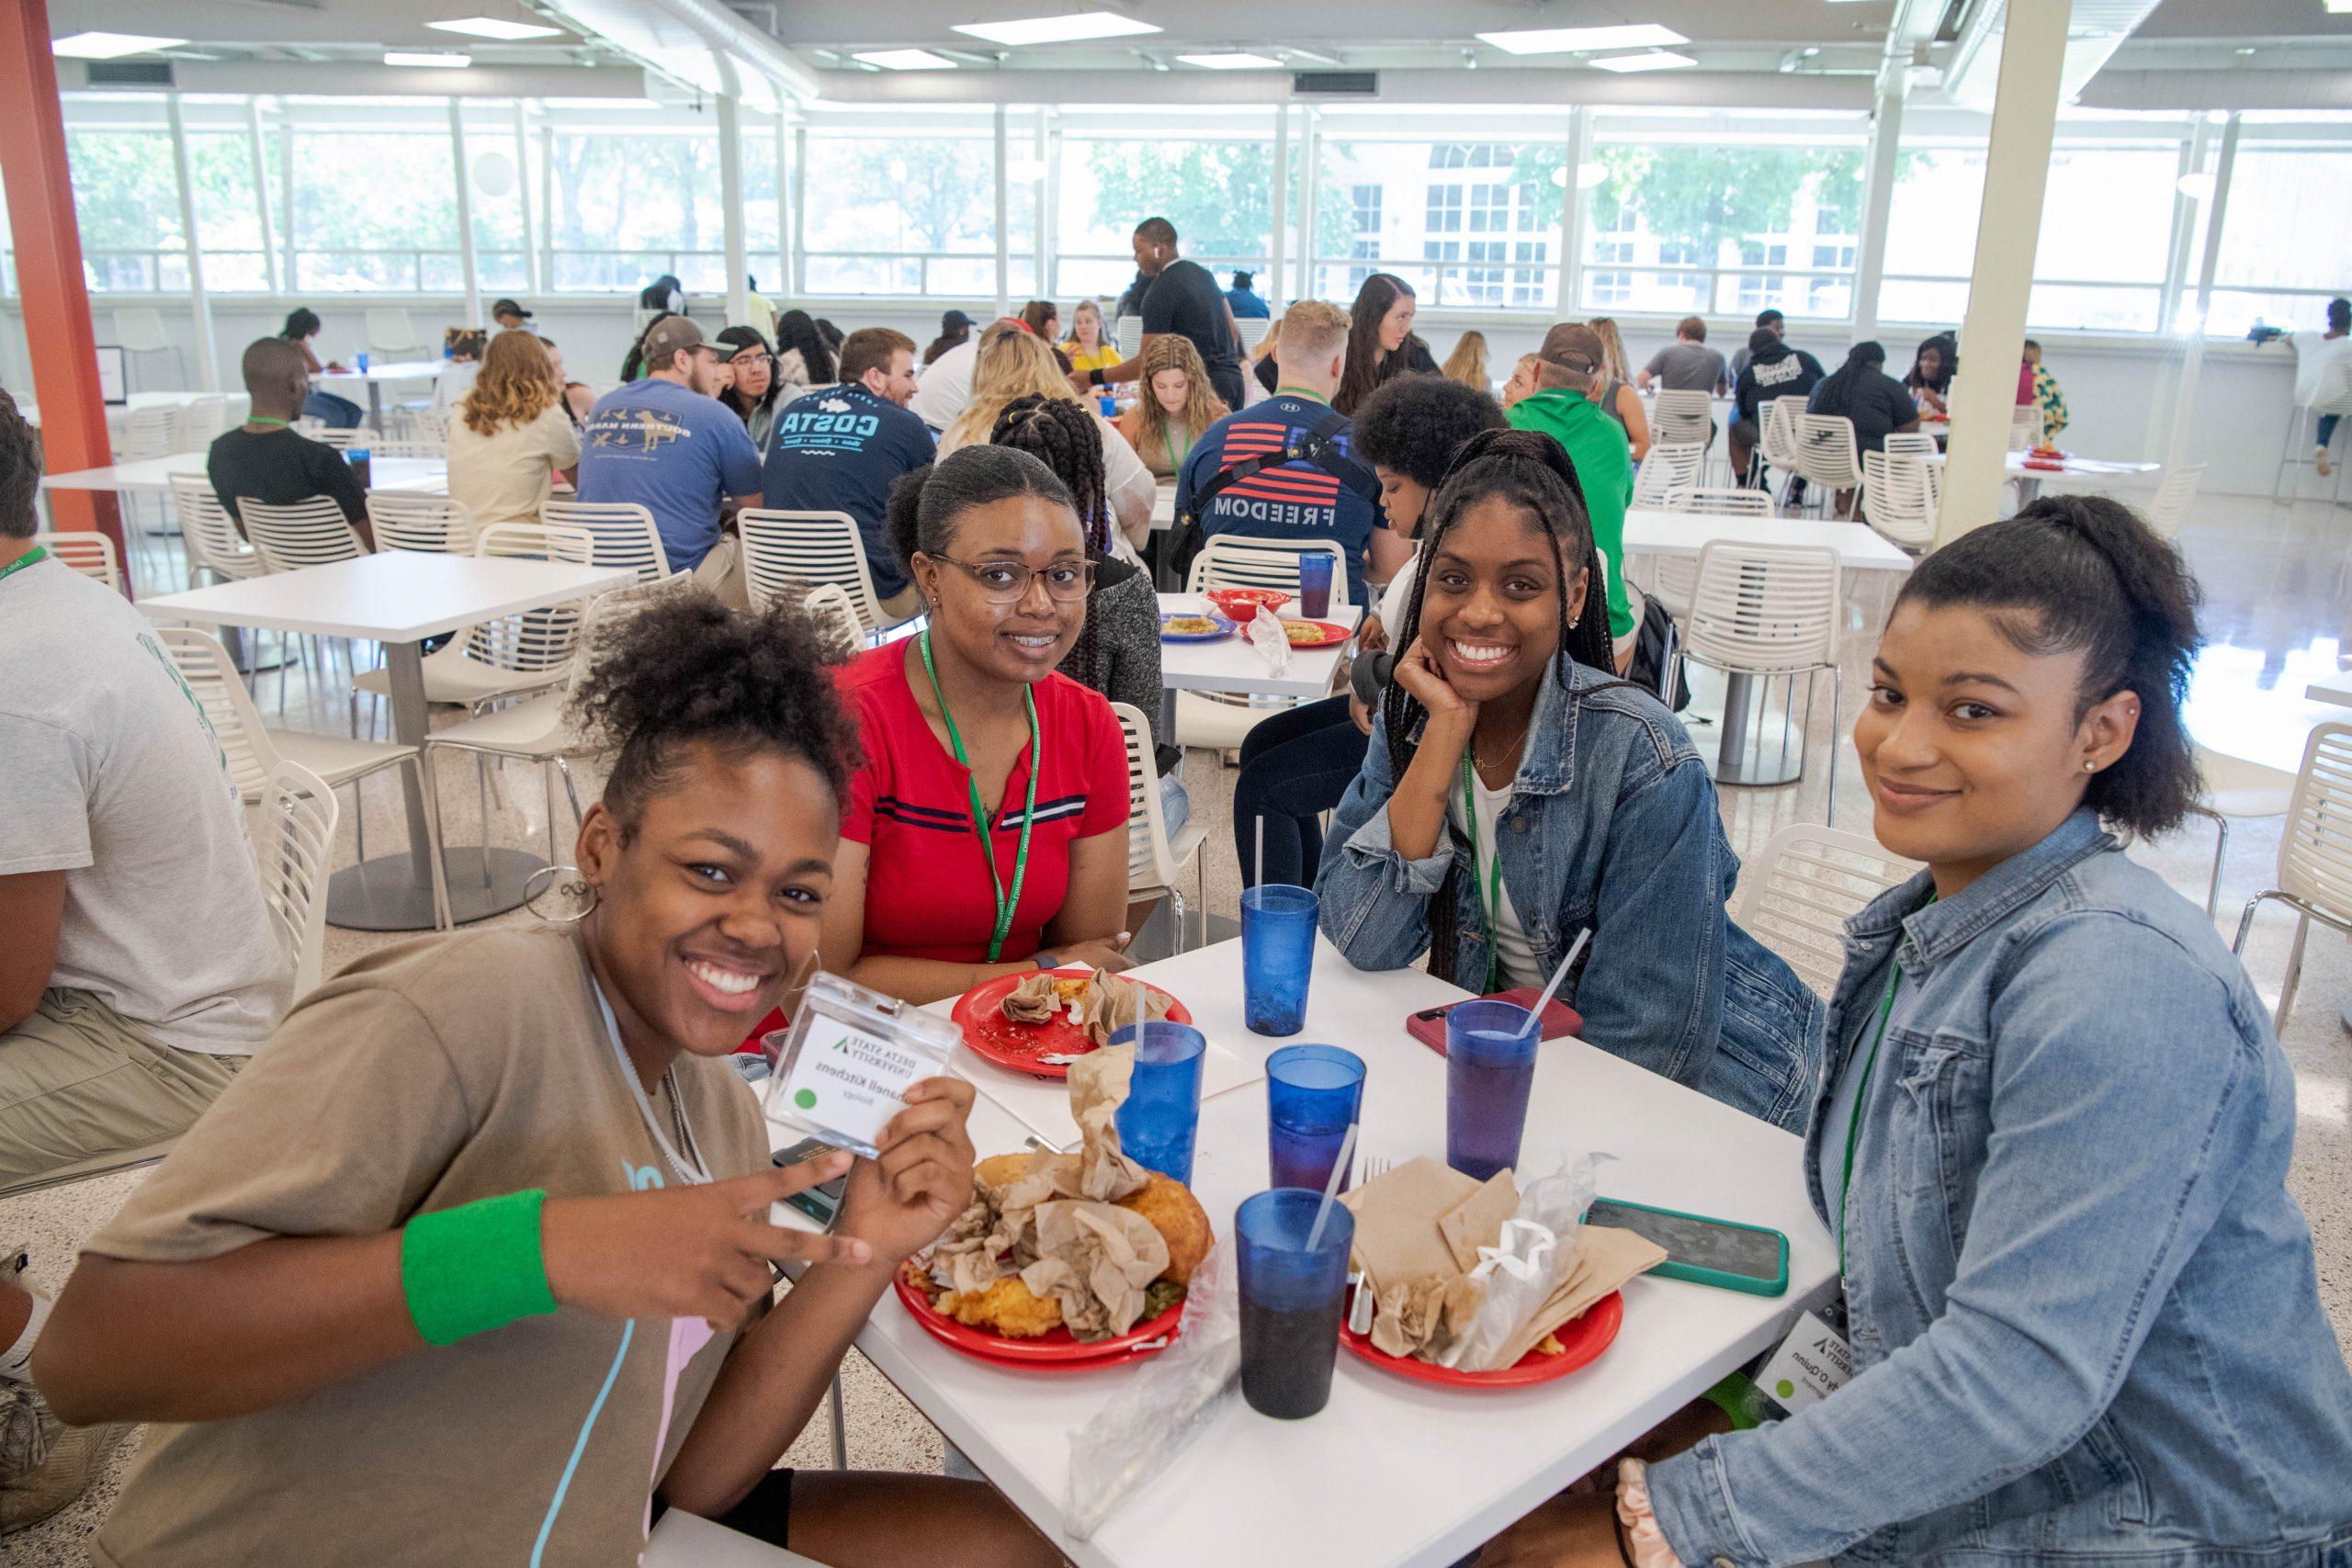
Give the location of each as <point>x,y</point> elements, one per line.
<point>506,315</point>
<point>667,444</point>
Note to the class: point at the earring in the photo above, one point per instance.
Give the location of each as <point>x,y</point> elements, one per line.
<point>566,880</point>
<point>2089,766</point>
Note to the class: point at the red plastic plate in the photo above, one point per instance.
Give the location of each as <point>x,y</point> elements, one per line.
<point>1056,1349</point>
<point>1329,634</point>
<point>1583,1339</point>
<point>979,1013</point>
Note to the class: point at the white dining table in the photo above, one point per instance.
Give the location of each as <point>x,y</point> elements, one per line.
<point>119,413</point>
<point>2028,477</point>
<point>374,378</point>
<point>1392,1473</point>
<point>399,598</point>
<point>1230,664</point>
<point>418,476</point>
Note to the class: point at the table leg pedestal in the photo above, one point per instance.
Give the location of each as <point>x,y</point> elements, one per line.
<point>395,893</point>
<point>1756,758</point>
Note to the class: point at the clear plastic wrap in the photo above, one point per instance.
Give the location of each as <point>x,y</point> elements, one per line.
<point>1526,1265</point>
<point>1266,635</point>
<point>1165,1404</point>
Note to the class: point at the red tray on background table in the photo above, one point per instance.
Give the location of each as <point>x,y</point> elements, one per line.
<point>979,1012</point>
<point>1055,1352</point>
<point>1582,1338</point>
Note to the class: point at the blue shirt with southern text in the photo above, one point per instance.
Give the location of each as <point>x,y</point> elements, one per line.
<point>673,451</point>
<point>840,449</point>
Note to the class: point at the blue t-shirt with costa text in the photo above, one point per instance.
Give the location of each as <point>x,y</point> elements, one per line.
<point>840,449</point>
<point>673,451</point>
<point>1297,500</point>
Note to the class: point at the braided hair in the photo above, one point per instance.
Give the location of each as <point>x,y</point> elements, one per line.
<point>1065,436</point>
<point>1529,470</point>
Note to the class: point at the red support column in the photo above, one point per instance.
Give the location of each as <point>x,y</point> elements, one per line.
<point>48,270</point>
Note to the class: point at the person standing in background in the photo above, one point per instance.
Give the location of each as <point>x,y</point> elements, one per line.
<point>1182,298</point>
<point>2046,395</point>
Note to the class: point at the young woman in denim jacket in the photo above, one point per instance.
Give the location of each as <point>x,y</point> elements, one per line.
<point>1516,792</point>
<point>2052,1140</point>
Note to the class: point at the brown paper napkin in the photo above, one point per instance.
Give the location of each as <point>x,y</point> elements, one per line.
<point>1605,1257</point>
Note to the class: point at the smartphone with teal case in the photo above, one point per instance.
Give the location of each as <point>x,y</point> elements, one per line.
<point>1721,1253</point>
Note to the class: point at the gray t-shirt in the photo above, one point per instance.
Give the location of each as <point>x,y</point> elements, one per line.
<point>1687,367</point>
<point>115,777</point>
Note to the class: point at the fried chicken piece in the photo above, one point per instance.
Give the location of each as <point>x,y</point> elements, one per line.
<point>999,1171</point>
<point>1181,1221</point>
<point>1007,1307</point>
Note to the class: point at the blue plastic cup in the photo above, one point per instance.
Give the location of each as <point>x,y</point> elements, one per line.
<point>1162,1109</point>
<point>1314,1094</point>
<point>360,359</point>
<point>1489,1067</point>
<point>1277,956</point>
<point>1314,585</point>
<point>1110,406</point>
<point>1291,1300</point>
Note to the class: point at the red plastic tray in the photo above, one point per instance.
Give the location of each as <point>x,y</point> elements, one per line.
<point>1054,1350</point>
<point>1584,1339</point>
<point>978,1013</point>
<point>1331,633</point>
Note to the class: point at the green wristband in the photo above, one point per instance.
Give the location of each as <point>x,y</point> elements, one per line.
<point>1734,1396</point>
<point>475,1268</point>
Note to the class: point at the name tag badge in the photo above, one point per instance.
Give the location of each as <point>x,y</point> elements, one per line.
<point>1814,1362</point>
<point>848,1061</point>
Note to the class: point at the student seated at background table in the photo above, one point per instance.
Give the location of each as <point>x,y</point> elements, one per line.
<point>1567,406</point>
<point>429,1301</point>
<point>578,396</point>
<point>1296,764</point>
<point>1325,493</point>
<point>512,437</point>
<point>1467,363</point>
<point>1515,794</point>
<point>2046,395</point>
<point>1766,320</point>
<point>753,392</point>
<point>266,459</point>
<point>985,831</point>
<point>2052,1140</point>
<point>1932,369</point>
<point>1522,383</point>
<point>1381,344</point>
<point>1774,371</point>
<point>1687,365</point>
<point>301,325</point>
<point>803,356</point>
<point>1086,349</point>
<point>1174,405</point>
<point>1863,393</point>
<point>1615,396</point>
<point>1020,364</point>
<point>955,327</point>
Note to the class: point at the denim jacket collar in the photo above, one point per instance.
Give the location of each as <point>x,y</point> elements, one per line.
<point>1547,765</point>
<point>1934,930</point>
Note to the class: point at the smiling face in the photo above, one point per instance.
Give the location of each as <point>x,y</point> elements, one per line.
<point>1170,388</point>
<point>1490,615</point>
<point>893,383</point>
<point>708,904</point>
<point>1972,749</point>
<point>1931,363</point>
<point>1025,639</point>
<point>1396,323</point>
<point>1403,498</point>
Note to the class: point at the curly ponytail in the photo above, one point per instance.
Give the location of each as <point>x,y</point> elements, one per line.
<point>1065,437</point>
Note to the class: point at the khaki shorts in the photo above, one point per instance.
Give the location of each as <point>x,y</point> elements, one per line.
<point>82,1091</point>
<point>721,571</point>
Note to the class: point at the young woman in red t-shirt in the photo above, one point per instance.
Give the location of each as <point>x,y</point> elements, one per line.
<point>969,721</point>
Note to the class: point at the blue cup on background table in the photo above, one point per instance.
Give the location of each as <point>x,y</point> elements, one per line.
<point>1490,1067</point>
<point>1315,584</point>
<point>1277,956</point>
<point>1314,1094</point>
<point>1162,1109</point>
<point>360,359</point>
<point>1291,1300</point>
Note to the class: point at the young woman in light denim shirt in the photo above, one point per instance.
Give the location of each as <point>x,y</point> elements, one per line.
<point>2052,1140</point>
<point>1515,793</point>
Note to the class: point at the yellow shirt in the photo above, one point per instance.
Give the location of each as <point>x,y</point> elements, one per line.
<point>1102,358</point>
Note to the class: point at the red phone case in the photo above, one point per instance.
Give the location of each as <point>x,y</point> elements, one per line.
<point>1560,1020</point>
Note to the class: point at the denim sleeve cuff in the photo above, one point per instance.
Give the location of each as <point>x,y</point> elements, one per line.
<point>1693,1508</point>
<point>1370,845</point>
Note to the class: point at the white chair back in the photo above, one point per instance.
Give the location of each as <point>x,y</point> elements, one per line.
<point>1671,466</point>
<point>1229,560</point>
<point>1673,578</point>
<point>1910,444</point>
<point>626,538</point>
<point>1776,439</point>
<point>1726,501</point>
<point>829,605</point>
<point>219,692</point>
<point>140,329</point>
<point>1826,451</point>
<point>293,839</point>
<point>1150,863</point>
<point>1253,331</point>
<point>2025,427</point>
<point>1681,419</point>
<point>88,551</point>
<point>1899,500</point>
<point>198,422</point>
<point>1127,334</point>
<point>310,532</point>
<point>432,525</point>
<point>532,642</point>
<point>1765,609</point>
<point>537,541</point>
<point>2168,510</point>
<point>785,554</point>
<point>369,441</point>
<point>1798,894</point>
<point>2333,394</point>
<point>390,330</point>
<point>213,543</point>
<point>146,433</point>
<point>2316,848</point>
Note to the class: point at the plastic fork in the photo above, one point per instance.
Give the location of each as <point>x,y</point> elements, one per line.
<point>1360,1301</point>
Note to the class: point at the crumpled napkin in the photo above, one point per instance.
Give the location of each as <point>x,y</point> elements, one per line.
<point>1265,633</point>
<point>1105,1006</point>
<point>1096,1259</point>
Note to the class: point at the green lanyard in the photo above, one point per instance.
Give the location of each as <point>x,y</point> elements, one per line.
<point>1167,439</point>
<point>1005,903</point>
<point>265,419</point>
<point>1491,896</point>
<point>1861,1097</point>
<point>38,552</point>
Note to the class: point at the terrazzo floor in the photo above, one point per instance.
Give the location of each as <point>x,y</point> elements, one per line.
<point>2278,615</point>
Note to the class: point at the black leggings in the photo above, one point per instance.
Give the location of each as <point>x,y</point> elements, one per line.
<point>1295,766</point>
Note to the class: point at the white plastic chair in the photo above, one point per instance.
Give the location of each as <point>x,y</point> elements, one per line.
<point>836,617</point>
<point>389,331</point>
<point>88,551</point>
<point>2237,789</point>
<point>1910,444</point>
<point>146,433</point>
<point>626,538</point>
<point>2314,851</point>
<point>293,839</point>
<point>1670,467</point>
<point>343,440</point>
<point>788,553</point>
<point>1899,501</point>
<point>1725,501</point>
<point>2333,395</point>
<point>1681,419</point>
<point>1232,560</point>
<point>1128,335</point>
<point>1154,860</point>
<point>1672,578</point>
<point>254,752</point>
<point>2169,509</point>
<point>1826,456</point>
<point>429,524</point>
<point>1768,611</point>
<point>514,655</point>
<point>214,545</point>
<point>2025,427</point>
<point>139,329</point>
<point>1253,331</point>
<point>198,424</point>
<point>310,532</point>
<point>1797,896</point>
<point>1776,440</point>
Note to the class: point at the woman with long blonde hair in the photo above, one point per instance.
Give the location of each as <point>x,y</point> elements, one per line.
<point>1616,395</point>
<point>1467,363</point>
<point>1177,403</point>
<point>512,436</point>
<point>1020,364</point>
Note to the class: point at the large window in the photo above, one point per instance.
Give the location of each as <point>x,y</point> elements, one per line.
<point>2285,238</point>
<point>127,203</point>
<point>1468,223</point>
<point>629,206</point>
<point>374,210</point>
<point>1220,195</point>
<point>900,216</point>
<point>1677,227</point>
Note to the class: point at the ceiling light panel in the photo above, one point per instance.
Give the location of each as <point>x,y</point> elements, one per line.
<point>1057,29</point>
<point>906,59</point>
<point>1572,41</point>
<point>494,28</point>
<point>1655,60</point>
<point>111,46</point>
<point>1236,60</point>
<point>427,61</point>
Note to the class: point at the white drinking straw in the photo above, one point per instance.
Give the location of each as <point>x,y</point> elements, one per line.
<point>1258,878</point>
<point>1331,1187</point>
<point>1558,975</point>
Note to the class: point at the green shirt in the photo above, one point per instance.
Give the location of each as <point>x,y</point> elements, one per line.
<point>1596,447</point>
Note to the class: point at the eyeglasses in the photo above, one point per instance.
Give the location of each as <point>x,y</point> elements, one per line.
<point>1007,582</point>
<point>753,359</point>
